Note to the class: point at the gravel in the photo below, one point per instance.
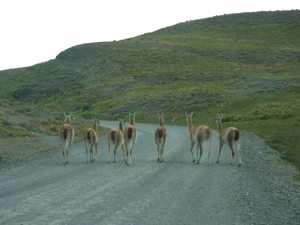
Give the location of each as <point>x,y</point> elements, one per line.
<point>40,190</point>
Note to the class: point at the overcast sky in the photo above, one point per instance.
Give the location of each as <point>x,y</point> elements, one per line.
<point>34,31</point>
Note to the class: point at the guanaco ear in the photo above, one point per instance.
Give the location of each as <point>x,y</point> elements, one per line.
<point>186,114</point>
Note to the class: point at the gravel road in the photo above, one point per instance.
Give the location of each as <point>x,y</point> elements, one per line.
<point>43,191</point>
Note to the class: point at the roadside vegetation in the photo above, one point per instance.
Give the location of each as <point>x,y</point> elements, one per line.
<point>245,66</point>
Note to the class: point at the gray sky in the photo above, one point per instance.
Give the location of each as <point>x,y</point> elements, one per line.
<point>34,31</point>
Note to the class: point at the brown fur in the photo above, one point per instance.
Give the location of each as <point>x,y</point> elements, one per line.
<point>208,132</point>
<point>236,135</point>
<point>129,137</point>
<point>116,138</point>
<point>88,135</point>
<point>200,130</point>
<point>67,135</point>
<point>113,135</point>
<point>160,132</point>
<point>129,132</point>
<point>202,133</point>
<point>65,130</point>
<point>160,138</point>
<point>91,142</point>
<point>231,135</point>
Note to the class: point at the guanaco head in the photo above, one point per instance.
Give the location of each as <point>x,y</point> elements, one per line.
<point>95,123</point>
<point>131,118</point>
<point>189,116</point>
<point>161,119</point>
<point>121,122</point>
<point>219,118</point>
<point>67,119</point>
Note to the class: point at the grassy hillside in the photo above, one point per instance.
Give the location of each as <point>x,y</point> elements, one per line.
<point>243,65</point>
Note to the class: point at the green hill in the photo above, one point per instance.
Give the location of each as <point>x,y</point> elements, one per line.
<point>243,65</point>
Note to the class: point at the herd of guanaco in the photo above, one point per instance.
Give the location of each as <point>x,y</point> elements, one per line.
<point>125,137</point>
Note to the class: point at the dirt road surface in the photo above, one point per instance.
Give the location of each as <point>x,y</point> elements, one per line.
<point>43,191</point>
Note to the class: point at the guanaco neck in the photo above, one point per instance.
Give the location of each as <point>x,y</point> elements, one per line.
<point>68,120</point>
<point>131,121</point>
<point>95,125</point>
<point>220,126</point>
<point>120,125</point>
<point>190,124</point>
<point>161,121</point>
